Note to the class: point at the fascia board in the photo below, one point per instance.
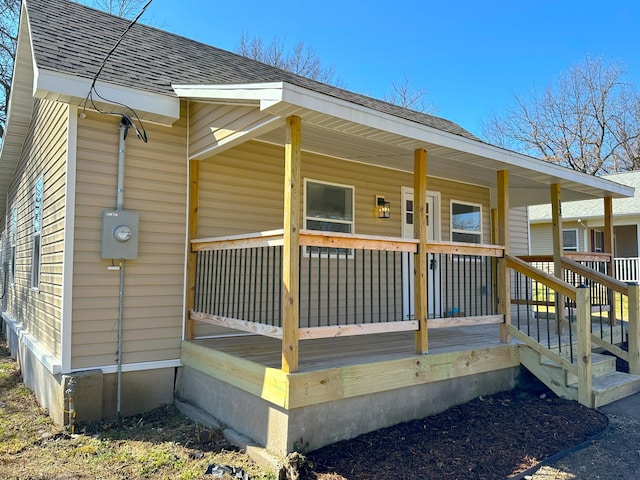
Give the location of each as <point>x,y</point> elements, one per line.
<point>326,104</point>
<point>47,82</point>
<point>253,93</point>
<point>272,96</point>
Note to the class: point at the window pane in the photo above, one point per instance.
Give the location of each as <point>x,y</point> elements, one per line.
<point>329,201</point>
<point>465,237</point>
<point>465,217</point>
<point>35,273</point>
<point>329,226</point>
<point>570,240</point>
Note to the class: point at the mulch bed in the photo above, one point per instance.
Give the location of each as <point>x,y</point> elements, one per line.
<point>489,438</point>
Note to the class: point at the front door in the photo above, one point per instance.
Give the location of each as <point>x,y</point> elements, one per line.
<point>433,233</point>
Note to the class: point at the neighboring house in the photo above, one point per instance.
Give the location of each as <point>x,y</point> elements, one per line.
<point>583,227</point>
<point>231,259</point>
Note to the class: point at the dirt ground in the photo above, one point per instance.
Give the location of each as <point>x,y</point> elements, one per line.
<point>495,437</point>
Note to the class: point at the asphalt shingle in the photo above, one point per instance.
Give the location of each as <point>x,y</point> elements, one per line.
<point>595,208</point>
<point>74,39</point>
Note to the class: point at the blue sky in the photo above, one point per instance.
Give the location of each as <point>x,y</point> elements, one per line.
<point>471,56</point>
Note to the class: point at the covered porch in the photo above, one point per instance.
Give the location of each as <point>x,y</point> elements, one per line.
<point>321,334</point>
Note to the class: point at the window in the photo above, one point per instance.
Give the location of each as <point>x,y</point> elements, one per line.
<point>466,222</point>
<point>329,208</point>
<point>570,240</point>
<point>597,241</point>
<point>37,233</point>
<point>14,239</point>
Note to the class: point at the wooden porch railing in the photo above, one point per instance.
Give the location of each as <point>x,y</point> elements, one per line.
<point>539,335</point>
<point>349,284</point>
<point>614,312</point>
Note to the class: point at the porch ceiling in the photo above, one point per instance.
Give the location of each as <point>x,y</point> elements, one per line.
<point>352,132</point>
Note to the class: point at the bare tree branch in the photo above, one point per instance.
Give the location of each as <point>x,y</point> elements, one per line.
<point>121,8</point>
<point>588,121</point>
<point>301,60</point>
<point>404,95</point>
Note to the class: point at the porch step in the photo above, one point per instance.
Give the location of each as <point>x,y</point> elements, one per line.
<point>600,365</point>
<point>608,385</point>
<point>552,375</point>
<point>611,387</point>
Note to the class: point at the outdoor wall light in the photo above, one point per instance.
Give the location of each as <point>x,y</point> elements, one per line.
<point>383,208</point>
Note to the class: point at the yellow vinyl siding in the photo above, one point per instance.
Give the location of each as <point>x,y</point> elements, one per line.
<point>43,154</point>
<point>155,187</point>
<point>212,124</point>
<point>241,191</point>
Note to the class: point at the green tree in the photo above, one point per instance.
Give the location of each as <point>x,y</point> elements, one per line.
<point>589,120</point>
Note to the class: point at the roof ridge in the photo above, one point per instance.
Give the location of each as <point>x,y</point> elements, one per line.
<point>76,52</point>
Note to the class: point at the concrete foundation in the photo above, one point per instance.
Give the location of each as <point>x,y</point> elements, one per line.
<point>94,392</point>
<point>282,431</point>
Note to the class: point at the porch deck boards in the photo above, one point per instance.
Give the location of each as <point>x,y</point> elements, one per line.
<point>326,353</point>
<point>320,354</point>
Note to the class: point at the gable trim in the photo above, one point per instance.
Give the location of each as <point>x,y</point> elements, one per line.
<point>63,87</point>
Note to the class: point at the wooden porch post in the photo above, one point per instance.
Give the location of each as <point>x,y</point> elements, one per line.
<point>556,217</point>
<point>192,232</point>
<point>494,269</point>
<point>503,239</point>
<point>634,329</point>
<point>583,325</point>
<point>608,248</point>
<point>291,247</point>
<point>420,258</point>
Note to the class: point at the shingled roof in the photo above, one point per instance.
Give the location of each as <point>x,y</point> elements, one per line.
<point>151,60</point>
<point>586,209</point>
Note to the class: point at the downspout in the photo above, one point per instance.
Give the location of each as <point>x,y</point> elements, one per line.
<point>124,128</point>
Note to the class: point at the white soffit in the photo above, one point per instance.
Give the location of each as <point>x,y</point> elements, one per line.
<point>402,135</point>
<point>71,89</point>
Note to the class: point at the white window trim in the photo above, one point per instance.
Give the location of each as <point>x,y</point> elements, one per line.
<point>596,234</point>
<point>574,230</point>
<point>352,222</point>
<point>35,276</point>
<point>13,246</point>
<point>480,234</point>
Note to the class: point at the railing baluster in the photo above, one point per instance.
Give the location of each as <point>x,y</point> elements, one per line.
<point>328,287</point>
<point>242,280</point>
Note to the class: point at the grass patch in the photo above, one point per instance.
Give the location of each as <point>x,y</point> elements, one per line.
<point>161,444</point>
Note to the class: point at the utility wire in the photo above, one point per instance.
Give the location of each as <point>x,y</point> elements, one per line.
<point>93,90</point>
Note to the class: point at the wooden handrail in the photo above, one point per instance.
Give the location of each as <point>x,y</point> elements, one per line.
<point>314,238</point>
<point>596,276</point>
<point>248,240</point>
<point>459,248</point>
<point>549,280</point>
<point>576,256</point>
